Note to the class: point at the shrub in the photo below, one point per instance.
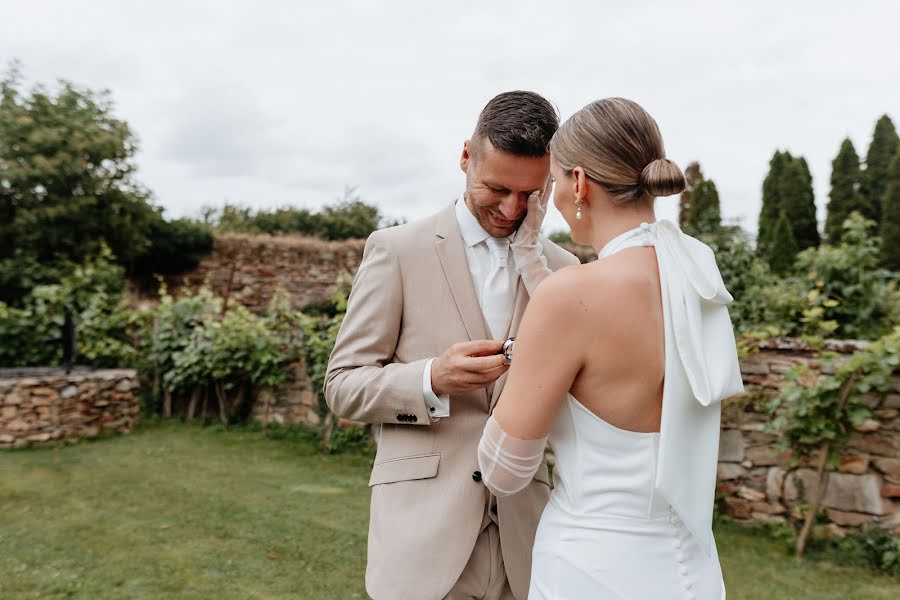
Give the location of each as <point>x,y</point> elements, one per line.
<point>107,330</point>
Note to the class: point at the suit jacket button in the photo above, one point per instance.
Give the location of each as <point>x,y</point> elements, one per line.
<point>476,475</point>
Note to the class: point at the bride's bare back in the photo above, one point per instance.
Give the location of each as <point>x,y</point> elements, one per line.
<point>596,331</point>
<point>622,375</point>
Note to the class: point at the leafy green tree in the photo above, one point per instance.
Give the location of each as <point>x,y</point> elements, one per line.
<point>67,185</point>
<point>771,200</point>
<point>890,218</point>
<point>699,204</point>
<point>799,203</point>
<point>66,176</point>
<point>844,197</point>
<point>783,249</point>
<point>885,144</point>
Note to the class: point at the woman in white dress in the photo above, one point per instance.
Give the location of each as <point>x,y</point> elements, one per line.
<point>620,365</point>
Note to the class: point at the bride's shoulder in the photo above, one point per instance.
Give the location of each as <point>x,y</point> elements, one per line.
<point>578,285</point>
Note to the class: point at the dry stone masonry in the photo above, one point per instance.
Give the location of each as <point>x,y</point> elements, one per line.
<point>46,405</point>
<point>757,482</point>
<point>291,403</point>
<point>253,267</point>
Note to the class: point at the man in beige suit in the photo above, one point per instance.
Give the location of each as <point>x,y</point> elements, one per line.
<point>417,356</point>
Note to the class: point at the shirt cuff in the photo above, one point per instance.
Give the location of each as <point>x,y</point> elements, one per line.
<point>438,406</point>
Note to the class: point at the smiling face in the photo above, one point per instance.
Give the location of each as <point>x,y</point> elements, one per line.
<point>498,184</point>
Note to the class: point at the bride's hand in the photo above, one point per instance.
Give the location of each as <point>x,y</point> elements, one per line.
<point>527,250</point>
<point>528,231</point>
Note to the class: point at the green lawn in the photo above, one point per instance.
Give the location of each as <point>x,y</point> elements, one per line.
<point>176,511</point>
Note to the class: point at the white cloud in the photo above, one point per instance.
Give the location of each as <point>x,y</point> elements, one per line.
<point>278,102</point>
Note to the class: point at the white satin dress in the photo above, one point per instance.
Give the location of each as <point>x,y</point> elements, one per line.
<point>630,514</point>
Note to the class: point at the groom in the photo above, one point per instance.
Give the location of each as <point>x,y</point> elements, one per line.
<point>417,357</point>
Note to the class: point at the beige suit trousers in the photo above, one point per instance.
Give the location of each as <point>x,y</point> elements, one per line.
<point>484,576</point>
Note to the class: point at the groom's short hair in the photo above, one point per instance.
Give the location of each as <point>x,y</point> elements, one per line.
<point>518,122</point>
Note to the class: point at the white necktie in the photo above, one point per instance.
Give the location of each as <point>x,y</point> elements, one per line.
<point>498,297</point>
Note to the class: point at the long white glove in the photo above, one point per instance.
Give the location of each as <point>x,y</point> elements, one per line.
<point>527,251</point>
<point>507,464</point>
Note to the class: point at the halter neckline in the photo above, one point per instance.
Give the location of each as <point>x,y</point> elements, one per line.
<point>642,235</point>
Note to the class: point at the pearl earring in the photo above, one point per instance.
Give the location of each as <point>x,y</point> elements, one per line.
<point>578,209</point>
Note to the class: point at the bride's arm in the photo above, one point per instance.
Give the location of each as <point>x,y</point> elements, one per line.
<point>527,250</point>
<point>549,353</point>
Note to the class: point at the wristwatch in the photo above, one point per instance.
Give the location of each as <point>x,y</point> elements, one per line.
<point>508,350</point>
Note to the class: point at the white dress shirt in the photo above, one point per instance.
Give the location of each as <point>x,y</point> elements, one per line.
<point>480,266</point>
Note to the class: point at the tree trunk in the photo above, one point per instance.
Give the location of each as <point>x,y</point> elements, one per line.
<point>326,431</point>
<point>227,294</point>
<point>822,473</point>
<point>205,405</point>
<point>266,416</point>
<point>223,410</point>
<point>235,413</point>
<point>192,405</point>
<point>821,484</point>
<point>167,403</point>
<point>154,393</point>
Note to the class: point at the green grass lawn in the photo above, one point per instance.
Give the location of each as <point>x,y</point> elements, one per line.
<point>176,511</point>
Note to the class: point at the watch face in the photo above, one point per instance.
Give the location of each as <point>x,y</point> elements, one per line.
<point>508,349</point>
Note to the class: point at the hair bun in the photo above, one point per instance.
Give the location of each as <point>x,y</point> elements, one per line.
<point>662,177</point>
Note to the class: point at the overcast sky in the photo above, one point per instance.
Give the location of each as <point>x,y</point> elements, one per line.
<point>271,103</point>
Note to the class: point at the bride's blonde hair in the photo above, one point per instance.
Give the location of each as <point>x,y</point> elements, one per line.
<point>619,146</point>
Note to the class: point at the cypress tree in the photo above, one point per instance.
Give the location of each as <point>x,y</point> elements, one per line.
<point>890,217</point>
<point>692,176</point>
<point>783,249</point>
<point>799,203</point>
<point>699,206</point>
<point>708,217</point>
<point>884,146</point>
<point>844,197</point>
<point>771,200</point>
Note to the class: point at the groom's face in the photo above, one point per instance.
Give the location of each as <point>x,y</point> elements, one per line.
<point>498,184</point>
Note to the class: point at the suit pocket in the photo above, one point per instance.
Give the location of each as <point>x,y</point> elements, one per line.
<point>407,468</point>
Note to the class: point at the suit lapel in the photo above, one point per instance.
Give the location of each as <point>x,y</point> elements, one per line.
<point>518,310</point>
<point>452,253</point>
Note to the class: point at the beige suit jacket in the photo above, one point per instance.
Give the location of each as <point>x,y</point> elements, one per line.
<point>413,298</point>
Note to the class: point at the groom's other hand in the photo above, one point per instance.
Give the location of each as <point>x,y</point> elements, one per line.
<point>467,366</point>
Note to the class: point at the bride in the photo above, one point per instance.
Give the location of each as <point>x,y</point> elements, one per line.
<point>620,365</point>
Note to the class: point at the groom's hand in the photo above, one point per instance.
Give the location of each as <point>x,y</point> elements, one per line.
<point>467,366</point>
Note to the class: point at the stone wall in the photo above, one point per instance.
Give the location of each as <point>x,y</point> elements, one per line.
<point>291,403</point>
<point>253,267</point>
<point>757,482</point>
<point>40,405</point>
